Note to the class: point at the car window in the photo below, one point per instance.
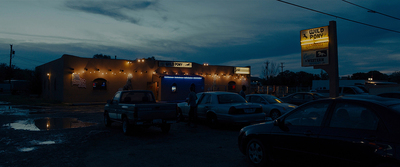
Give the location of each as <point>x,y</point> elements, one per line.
<point>308,115</point>
<point>116,97</point>
<point>353,116</point>
<point>230,98</point>
<point>347,90</point>
<point>308,97</point>
<point>206,99</point>
<point>297,96</point>
<point>255,99</point>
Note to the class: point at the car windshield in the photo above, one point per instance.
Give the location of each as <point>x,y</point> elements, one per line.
<point>230,98</point>
<point>273,99</point>
<point>396,107</point>
<point>358,90</point>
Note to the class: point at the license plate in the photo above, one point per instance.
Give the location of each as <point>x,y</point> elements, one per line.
<point>157,121</point>
<point>248,110</point>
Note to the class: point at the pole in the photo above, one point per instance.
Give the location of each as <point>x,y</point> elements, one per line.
<point>10,72</point>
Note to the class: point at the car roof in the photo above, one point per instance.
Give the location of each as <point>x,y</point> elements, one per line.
<point>374,99</point>
<point>219,93</point>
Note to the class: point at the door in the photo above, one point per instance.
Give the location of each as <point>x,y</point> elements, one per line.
<point>352,136</point>
<point>203,106</point>
<point>296,138</point>
<point>114,106</point>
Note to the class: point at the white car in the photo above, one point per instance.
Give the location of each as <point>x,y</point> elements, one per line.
<point>225,107</point>
<point>272,106</point>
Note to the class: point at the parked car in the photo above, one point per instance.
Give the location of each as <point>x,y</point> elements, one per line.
<point>272,106</point>
<point>395,94</point>
<point>224,107</point>
<point>344,131</point>
<point>300,98</point>
<point>344,90</point>
<point>139,108</point>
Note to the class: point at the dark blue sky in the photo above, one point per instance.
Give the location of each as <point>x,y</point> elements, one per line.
<point>219,32</point>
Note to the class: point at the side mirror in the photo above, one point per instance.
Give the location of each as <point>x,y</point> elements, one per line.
<point>187,100</point>
<point>264,102</point>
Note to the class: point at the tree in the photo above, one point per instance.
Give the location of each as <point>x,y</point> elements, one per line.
<point>151,58</point>
<point>395,77</point>
<point>270,69</point>
<point>101,56</point>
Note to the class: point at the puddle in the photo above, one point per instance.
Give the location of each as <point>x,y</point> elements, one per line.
<point>48,124</point>
<point>26,149</point>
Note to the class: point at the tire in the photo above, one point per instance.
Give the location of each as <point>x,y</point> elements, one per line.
<point>212,121</point>
<point>274,114</point>
<point>126,127</point>
<point>165,128</point>
<point>256,153</point>
<point>107,121</point>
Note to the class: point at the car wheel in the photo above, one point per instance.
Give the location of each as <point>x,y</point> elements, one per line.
<point>165,128</point>
<point>256,153</point>
<point>107,121</point>
<point>212,121</point>
<point>274,114</point>
<point>126,127</point>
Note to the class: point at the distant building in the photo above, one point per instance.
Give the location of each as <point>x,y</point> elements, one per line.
<point>73,79</point>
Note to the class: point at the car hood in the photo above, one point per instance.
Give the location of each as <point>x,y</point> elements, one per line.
<point>286,105</point>
<point>261,128</point>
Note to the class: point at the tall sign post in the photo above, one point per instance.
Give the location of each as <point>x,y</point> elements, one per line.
<point>319,49</point>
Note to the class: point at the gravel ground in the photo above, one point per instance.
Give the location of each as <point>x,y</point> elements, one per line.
<point>97,145</point>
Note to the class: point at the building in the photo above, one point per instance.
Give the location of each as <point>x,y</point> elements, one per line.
<point>73,79</point>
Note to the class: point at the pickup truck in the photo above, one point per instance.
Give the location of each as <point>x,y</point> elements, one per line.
<point>138,108</point>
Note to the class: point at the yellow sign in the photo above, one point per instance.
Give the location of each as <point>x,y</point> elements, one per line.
<point>314,46</point>
<point>242,70</point>
<point>316,38</point>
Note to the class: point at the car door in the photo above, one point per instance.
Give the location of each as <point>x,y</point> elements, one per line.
<point>204,105</point>
<point>114,106</point>
<point>297,99</point>
<point>353,134</point>
<point>296,137</point>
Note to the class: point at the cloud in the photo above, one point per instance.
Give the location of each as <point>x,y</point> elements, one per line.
<point>113,9</point>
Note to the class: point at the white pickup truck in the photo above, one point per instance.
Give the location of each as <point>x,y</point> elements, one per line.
<point>139,108</point>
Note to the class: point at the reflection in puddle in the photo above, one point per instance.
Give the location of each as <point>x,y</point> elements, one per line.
<point>26,149</point>
<point>48,124</point>
<point>34,142</point>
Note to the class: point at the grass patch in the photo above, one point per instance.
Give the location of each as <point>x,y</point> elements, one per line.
<point>28,100</point>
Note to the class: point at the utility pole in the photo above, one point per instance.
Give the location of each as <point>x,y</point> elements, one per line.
<point>282,66</point>
<point>10,72</point>
<point>266,69</point>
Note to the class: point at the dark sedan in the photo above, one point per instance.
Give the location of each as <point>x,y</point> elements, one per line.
<point>345,131</point>
<point>395,94</point>
<point>301,97</point>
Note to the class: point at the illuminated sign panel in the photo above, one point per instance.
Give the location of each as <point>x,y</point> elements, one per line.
<point>314,46</point>
<point>175,64</point>
<point>242,70</point>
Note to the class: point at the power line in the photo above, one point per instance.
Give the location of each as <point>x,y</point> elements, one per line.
<point>371,11</point>
<point>339,17</point>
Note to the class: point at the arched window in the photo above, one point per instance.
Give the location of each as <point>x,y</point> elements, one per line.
<point>100,84</point>
<point>231,86</point>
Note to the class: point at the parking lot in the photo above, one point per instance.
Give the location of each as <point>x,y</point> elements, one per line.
<point>88,144</point>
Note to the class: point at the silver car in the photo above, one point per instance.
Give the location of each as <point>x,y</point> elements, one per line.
<point>272,106</point>
<point>218,107</point>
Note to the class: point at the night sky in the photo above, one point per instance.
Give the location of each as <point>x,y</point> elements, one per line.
<point>217,32</point>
